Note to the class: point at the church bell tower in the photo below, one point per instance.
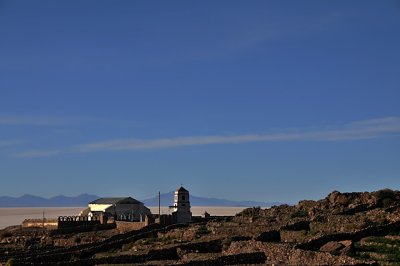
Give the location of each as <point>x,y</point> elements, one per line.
<point>181,208</point>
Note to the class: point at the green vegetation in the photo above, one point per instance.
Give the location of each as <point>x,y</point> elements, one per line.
<point>74,258</point>
<point>171,240</point>
<point>383,240</point>
<point>299,214</point>
<point>127,247</point>
<point>385,193</point>
<point>147,241</point>
<point>312,231</point>
<point>361,255</point>
<point>385,197</point>
<point>10,262</point>
<point>226,242</point>
<point>202,230</point>
<point>379,245</point>
<point>387,202</point>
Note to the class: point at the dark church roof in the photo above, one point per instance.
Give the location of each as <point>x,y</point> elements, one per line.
<point>124,200</point>
<point>182,189</point>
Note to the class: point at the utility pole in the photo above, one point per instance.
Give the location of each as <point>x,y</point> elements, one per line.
<point>159,205</point>
<point>43,220</point>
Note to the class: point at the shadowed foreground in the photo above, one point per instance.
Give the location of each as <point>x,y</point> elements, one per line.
<point>342,229</point>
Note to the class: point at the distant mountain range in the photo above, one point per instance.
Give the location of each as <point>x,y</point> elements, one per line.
<point>167,199</point>
<point>83,200</point>
<point>57,201</point>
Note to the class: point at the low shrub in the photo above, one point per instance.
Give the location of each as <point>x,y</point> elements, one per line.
<point>385,197</point>
<point>388,247</point>
<point>10,262</point>
<point>299,214</point>
<point>5,234</point>
<point>202,230</point>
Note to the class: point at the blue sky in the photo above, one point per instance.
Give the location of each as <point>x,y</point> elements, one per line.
<point>260,100</point>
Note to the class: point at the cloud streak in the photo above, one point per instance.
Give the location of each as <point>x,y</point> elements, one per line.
<point>7,120</point>
<point>38,153</point>
<point>8,143</point>
<point>63,121</point>
<point>358,130</point>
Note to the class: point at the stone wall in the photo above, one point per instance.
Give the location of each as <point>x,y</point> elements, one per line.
<point>164,219</point>
<point>82,228</point>
<point>86,251</point>
<point>47,223</point>
<point>236,259</point>
<point>77,221</point>
<point>380,230</point>
<point>165,254</point>
<point>124,227</point>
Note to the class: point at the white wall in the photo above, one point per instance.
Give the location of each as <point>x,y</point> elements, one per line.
<point>99,207</point>
<point>132,212</point>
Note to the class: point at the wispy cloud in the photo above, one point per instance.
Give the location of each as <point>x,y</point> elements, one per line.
<point>63,121</point>
<point>14,120</point>
<point>7,143</point>
<point>38,153</point>
<point>358,130</point>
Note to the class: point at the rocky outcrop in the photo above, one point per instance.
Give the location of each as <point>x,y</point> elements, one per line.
<point>381,230</point>
<point>350,203</point>
<point>361,201</point>
<point>287,254</point>
<point>332,247</point>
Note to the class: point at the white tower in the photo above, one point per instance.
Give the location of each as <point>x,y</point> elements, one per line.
<point>181,208</point>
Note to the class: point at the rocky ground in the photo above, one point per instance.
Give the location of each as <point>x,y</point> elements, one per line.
<point>342,229</point>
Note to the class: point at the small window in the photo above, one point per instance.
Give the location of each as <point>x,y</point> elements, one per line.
<point>183,204</point>
<point>183,197</point>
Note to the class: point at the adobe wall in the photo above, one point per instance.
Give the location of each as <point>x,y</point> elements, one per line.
<point>82,228</point>
<point>124,227</point>
<point>77,221</point>
<point>164,219</point>
<point>47,223</point>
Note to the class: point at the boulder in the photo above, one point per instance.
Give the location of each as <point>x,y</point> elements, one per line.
<point>348,247</point>
<point>346,243</point>
<point>333,196</point>
<point>347,250</point>
<point>332,247</point>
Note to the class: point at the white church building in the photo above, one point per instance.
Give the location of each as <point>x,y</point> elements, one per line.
<point>123,209</point>
<point>181,210</point>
